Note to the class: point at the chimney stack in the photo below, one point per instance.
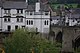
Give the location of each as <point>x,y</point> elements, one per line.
<point>26,1</point>
<point>37,6</point>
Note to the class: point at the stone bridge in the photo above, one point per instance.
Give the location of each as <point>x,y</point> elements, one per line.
<point>68,36</point>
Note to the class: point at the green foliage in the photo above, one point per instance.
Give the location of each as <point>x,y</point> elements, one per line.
<point>77,50</point>
<point>64,1</point>
<point>56,6</point>
<point>78,6</point>
<point>23,41</point>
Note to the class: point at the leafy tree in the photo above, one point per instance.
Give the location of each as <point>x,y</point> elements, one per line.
<point>78,6</point>
<point>23,41</point>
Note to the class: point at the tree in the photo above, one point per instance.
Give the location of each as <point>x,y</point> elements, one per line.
<point>23,41</point>
<point>78,6</point>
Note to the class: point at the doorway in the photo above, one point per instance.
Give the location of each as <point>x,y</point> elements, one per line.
<point>9,27</point>
<point>16,27</point>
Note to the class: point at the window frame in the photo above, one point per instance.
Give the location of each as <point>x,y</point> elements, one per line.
<point>20,11</point>
<point>6,11</point>
<point>7,19</point>
<point>46,22</point>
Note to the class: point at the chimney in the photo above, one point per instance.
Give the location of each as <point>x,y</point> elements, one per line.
<point>26,1</point>
<point>37,6</point>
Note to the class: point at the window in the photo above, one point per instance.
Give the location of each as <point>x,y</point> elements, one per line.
<point>19,19</point>
<point>57,19</point>
<point>23,26</point>
<point>16,27</point>
<point>46,22</point>
<point>73,20</point>
<point>29,22</point>
<point>19,10</point>
<point>46,13</point>
<point>8,27</point>
<point>6,11</point>
<point>78,21</point>
<point>30,13</point>
<point>7,20</point>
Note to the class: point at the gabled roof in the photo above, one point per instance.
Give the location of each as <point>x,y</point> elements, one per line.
<point>14,5</point>
<point>30,7</point>
<point>76,10</point>
<point>23,5</point>
<point>43,7</point>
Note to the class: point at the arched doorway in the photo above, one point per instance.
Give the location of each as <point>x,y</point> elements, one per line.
<point>77,42</point>
<point>59,37</point>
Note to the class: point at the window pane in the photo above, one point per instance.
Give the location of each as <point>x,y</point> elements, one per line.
<point>17,19</point>
<point>21,19</point>
<point>5,19</point>
<point>17,11</point>
<point>27,22</point>
<point>21,11</point>
<point>16,27</point>
<point>9,19</point>
<point>5,11</point>
<point>23,26</point>
<point>46,13</point>
<point>47,22</point>
<point>8,11</point>
<point>44,22</point>
<point>31,22</point>
<point>8,27</point>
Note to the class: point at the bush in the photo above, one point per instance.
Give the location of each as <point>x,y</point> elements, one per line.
<point>24,42</point>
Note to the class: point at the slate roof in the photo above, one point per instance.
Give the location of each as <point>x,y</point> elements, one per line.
<point>14,5</point>
<point>76,10</point>
<point>30,7</point>
<point>23,5</point>
<point>42,7</point>
<point>55,17</point>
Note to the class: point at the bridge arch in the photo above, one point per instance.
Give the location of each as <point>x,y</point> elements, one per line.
<point>77,42</point>
<point>59,36</point>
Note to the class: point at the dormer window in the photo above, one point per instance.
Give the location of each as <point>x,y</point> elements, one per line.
<point>19,10</point>
<point>31,13</point>
<point>6,11</point>
<point>46,13</point>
